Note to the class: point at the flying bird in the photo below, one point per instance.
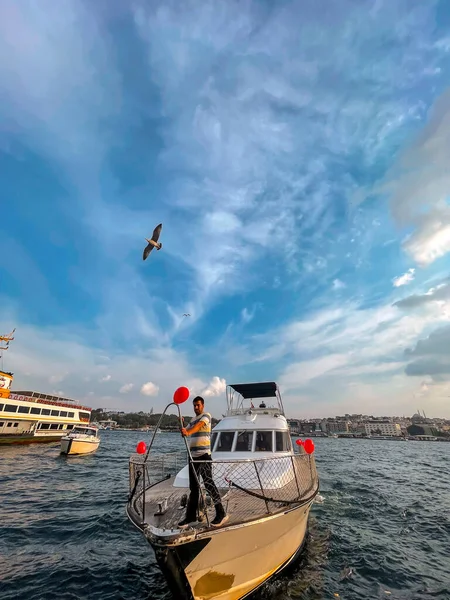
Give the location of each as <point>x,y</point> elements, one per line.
<point>153,243</point>
<point>186,315</point>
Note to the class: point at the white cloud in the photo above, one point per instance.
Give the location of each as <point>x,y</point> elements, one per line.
<point>37,352</point>
<point>419,186</point>
<point>216,387</point>
<point>338,284</point>
<point>256,123</point>
<point>404,279</point>
<point>348,355</point>
<point>432,239</point>
<point>149,389</point>
<point>127,387</point>
<point>105,378</point>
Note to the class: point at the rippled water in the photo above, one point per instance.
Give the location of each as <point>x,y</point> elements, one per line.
<point>386,515</point>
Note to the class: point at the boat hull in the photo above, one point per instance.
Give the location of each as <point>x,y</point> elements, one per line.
<point>231,563</point>
<point>71,446</point>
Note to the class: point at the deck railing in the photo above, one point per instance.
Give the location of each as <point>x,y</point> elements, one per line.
<point>248,487</point>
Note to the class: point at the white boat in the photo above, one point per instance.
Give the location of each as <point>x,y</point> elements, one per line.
<point>83,439</point>
<point>267,490</point>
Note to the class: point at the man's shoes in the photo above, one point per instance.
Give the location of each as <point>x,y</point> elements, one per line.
<point>219,520</point>
<point>185,523</point>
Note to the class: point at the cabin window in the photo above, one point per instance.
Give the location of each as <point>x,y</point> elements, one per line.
<point>213,439</point>
<point>70,426</point>
<point>55,413</point>
<point>35,411</point>
<point>45,411</point>
<point>44,426</point>
<point>84,415</point>
<point>263,441</point>
<point>24,409</point>
<point>225,442</point>
<point>16,424</point>
<point>282,441</point>
<point>1,424</point>
<point>63,413</point>
<point>70,415</point>
<point>54,426</point>
<point>1,407</point>
<point>9,425</point>
<point>10,408</point>
<point>244,441</point>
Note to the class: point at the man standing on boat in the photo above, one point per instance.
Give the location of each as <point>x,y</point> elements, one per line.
<point>199,429</point>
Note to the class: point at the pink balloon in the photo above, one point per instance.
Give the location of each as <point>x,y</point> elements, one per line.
<point>181,395</point>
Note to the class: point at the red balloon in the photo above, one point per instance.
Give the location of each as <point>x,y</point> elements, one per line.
<point>308,446</point>
<point>181,395</point>
<point>141,448</point>
<point>299,442</point>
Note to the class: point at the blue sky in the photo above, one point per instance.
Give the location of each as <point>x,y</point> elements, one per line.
<point>297,156</point>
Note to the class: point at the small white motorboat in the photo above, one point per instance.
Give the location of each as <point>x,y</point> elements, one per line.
<point>83,439</point>
<point>267,490</point>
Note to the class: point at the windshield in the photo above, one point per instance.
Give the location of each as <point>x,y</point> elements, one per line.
<point>83,430</point>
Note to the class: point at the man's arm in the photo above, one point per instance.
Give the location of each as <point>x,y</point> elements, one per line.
<point>192,429</point>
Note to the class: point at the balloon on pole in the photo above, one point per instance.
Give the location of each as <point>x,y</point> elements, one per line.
<point>141,448</point>
<point>308,445</point>
<point>299,442</point>
<point>181,395</point>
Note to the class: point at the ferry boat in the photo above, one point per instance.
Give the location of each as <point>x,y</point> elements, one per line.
<point>27,416</point>
<point>266,487</point>
<point>83,439</point>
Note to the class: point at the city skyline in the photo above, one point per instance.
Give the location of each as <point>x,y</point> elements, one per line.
<point>303,194</point>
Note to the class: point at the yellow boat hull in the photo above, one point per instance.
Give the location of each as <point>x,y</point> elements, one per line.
<point>238,560</point>
<point>71,446</point>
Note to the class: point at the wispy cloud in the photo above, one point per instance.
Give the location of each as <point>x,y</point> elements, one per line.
<point>252,143</point>
<point>404,279</point>
<point>127,387</point>
<point>338,284</point>
<point>419,185</point>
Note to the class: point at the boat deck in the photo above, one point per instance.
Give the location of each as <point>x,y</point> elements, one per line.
<point>241,506</point>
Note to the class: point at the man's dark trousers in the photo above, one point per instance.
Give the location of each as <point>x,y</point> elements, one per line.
<point>203,470</point>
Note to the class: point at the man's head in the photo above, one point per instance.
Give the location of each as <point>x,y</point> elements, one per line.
<point>199,405</point>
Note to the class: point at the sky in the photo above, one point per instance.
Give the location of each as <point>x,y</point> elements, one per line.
<point>296,153</point>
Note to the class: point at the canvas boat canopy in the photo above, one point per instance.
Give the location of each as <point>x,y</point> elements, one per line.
<point>265,389</point>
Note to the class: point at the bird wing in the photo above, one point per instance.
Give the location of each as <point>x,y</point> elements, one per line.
<point>147,251</point>
<point>157,233</point>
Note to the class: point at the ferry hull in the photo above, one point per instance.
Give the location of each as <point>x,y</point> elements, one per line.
<point>231,563</point>
<point>73,446</point>
<point>29,439</point>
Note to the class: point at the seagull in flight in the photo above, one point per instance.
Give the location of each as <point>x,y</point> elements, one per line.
<point>153,242</point>
<point>186,315</point>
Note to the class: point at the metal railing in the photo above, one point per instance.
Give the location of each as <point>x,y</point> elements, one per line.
<point>250,487</point>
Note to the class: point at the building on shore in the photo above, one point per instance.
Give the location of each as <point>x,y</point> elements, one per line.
<point>382,428</point>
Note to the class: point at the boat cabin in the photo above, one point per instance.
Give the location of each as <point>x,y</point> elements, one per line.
<point>254,423</point>
<point>249,431</point>
<point>83,430</point>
